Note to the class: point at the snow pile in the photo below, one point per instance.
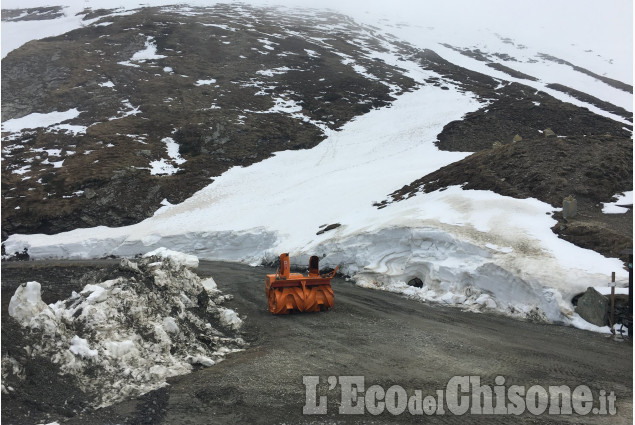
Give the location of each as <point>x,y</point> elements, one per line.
<point>124,336</point>
<point>185,260</point>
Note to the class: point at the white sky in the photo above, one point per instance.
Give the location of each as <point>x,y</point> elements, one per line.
<point>598,24</point>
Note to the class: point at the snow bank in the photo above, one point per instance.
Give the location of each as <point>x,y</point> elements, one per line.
<point>457,267</point>
<point>124,336</point>
<point>475,249</point>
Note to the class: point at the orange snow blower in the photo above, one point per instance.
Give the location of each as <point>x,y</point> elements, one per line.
<point>290,292</point>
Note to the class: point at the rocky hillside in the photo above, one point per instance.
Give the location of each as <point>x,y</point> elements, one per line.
<point>162,100</point>
<point>227,85</point>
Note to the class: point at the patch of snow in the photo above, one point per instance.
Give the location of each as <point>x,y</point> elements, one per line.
<point>163,166</point>
<point>275,71</point>
<point>79,347</point>
<point>26,304</point>
<point>68,128</point>
<point>149,53</point>
<point>129,111</point>
<point>224,27</point>
<point>205,82</point>
<point>37,120</point>
<point>230,318</point>
<point>618,206</point>
<point>209,284</point>
<point>580,323</point>
<point>173,150</point>
<point>268,44</point>
<point>128,63</point>
<point>22,170</point>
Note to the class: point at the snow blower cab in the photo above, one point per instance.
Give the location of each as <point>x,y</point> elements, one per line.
<point>293,292</point>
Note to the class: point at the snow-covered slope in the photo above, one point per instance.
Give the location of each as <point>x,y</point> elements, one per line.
<point>471,248</point>
<point>463,243</point>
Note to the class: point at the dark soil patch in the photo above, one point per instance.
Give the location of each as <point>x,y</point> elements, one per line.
<point>511,72</point>
<point>520,110</point>
<point>326,228</point>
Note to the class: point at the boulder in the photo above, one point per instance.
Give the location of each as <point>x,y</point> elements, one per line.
<point>547,132</point>
<point>569,207</point>
<point>593,307</point>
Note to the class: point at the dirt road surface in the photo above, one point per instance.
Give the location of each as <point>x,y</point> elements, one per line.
<point>386,339</point>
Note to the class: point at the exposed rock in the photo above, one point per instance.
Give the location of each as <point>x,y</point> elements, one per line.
<point>593,307</point>
<point>569,207</point>
<point>89,193</point>
<point>547,132</point>
<point>329,227</point>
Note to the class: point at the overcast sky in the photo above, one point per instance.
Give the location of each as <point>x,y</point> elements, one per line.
<point>603,26</point>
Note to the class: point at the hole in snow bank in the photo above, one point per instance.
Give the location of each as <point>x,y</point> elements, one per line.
<point>416,282</point>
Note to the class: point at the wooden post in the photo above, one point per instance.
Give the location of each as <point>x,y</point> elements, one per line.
<point>630,294</point>
<point>612,301</point>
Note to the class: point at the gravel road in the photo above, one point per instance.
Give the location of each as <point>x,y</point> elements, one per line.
<point>384,338</point>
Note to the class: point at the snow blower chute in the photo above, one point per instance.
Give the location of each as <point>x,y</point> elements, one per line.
<point>290,292</point>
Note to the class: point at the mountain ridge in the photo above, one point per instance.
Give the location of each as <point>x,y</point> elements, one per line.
<point>230,86</point>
